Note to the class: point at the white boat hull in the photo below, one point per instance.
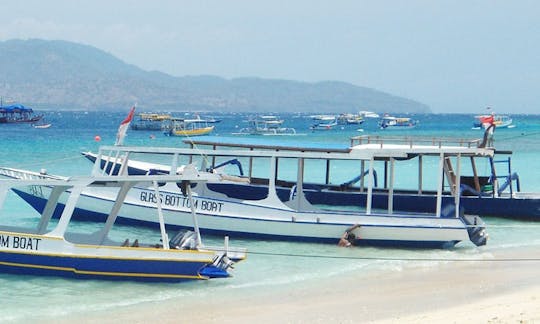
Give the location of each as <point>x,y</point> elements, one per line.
<point>254,219</point>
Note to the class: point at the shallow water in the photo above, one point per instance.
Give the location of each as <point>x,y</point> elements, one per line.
<point>270,265</point>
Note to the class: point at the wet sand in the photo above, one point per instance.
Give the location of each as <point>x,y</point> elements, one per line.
<point>452,292</point>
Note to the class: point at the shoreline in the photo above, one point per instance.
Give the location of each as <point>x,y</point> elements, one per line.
<point>456,291</point>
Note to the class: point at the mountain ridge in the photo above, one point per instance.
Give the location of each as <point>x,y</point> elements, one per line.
<point>67,75</point>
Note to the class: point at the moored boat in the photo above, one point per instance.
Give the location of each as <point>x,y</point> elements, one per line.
<point>18,114</point>
<point>324,124</point>
<point>269,217</point>
<point>54,248</point>
<point>496,191</point>
<point>500,121</point>
<point>266,125</point>
<point>187,127</point>
<point>149,121</point>
<point>350,119</point>
<point>397,123</point>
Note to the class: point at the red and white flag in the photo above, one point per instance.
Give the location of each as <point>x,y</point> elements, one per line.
<point>122,129</point>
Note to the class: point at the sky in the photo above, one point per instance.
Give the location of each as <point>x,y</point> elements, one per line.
<point>455,56</point>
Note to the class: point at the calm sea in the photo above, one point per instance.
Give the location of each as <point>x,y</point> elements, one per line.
<point>271,265</point>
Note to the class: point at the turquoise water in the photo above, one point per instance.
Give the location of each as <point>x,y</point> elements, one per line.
<point>271,265</point>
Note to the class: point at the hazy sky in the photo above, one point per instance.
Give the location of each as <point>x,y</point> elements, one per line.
<point>455,56</point>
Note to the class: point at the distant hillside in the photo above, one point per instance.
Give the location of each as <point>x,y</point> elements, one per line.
<point>65,75</point>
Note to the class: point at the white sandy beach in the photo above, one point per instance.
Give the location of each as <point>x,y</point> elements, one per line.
<point>455,292</point>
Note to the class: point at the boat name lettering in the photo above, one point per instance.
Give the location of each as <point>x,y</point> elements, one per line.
<point>19,242</point>
<point>180,201</point>
<point>36,191</point>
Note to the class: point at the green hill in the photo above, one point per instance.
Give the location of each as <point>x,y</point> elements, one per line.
<point>66,75</point>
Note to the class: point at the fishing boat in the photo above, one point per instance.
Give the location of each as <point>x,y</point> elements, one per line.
<point>55,248</point>
<point>18,114</point>
<point>397,123</point>
<point>350,119</point>
<point>496,191</point>
<point>500,121</point>
<point>149,121</point>
<point>324,124</point>
<point>266,125</point>
<point>269,217</point>
<point>187,127</point>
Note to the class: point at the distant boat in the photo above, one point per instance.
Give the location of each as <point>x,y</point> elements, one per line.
<point>350,119</point>
<point>212,120</point>
<point>18,114</point>
<point>326,124</point>
<point>391,122</point>
<point>368,114</point>
<point>500,121</point>
<point>42,126</point>
<point>266,125</point>
<point>187,127</point>
<point>149,121</point>
<point>323,117</point>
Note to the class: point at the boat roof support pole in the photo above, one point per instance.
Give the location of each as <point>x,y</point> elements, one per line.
<point>420,174</point>
<point>250,174</point>
<point>124,166</point>
<point>111,218</point>
<point>272,177</point>
<point>164,237</point>
<point>96,169</point>
<point>475,175</point>
<point>174,164</point>
<point>385,175</point>
<point>214,157</point>
<point>193,215</point>
<point>49,208</point>
<point>494,177</point>
<point>115,163</point>
<point>300,184</point>
<point>327,176</point>
<point>63,222</point>
<point>457,195</point>
<point>440,184</point>
<point>391,187</point>
<point>362,170</point>
<point>3,194</point>
<point>370,186</point>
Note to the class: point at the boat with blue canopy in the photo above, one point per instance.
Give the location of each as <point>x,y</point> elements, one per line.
<point>18,114</point>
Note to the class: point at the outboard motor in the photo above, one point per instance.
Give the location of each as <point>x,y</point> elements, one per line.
<point>476,229</point>
<point>184,240</point>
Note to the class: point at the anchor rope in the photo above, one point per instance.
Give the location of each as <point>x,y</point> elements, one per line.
<point>377,258</point>
<point>45,162</point>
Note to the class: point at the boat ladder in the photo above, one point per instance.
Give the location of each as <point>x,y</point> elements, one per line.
<point>450,174</point>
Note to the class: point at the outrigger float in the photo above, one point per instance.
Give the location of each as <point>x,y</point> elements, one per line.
<point>271,218</point>
<point>50,248</point>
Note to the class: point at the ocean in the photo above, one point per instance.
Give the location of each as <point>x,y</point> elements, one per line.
<point>270,265</point>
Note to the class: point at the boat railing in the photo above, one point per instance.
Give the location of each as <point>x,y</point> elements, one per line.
<point>414,141</point>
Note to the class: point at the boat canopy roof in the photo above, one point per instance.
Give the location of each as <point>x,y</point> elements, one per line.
<point>15,109</point>
<point>362,147</point>
<point>269,144</point>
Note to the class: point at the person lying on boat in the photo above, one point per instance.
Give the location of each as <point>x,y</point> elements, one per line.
<point>347,239</point>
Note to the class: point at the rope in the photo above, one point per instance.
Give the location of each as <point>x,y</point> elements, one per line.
<point>517,136</point>
<point>44,162</point>
<point>320,256</point>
